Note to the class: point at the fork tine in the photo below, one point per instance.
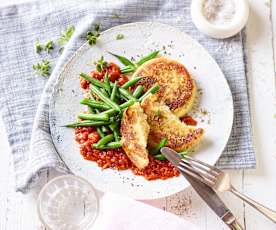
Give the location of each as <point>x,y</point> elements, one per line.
<point>201,172</point>
<point>203,163</point>
<point>183,169</point>
<point>201,167</point>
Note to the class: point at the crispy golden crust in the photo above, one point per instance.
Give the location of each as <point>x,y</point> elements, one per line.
<point>165,124</point>
<point>177,88</point>
<point>135,130</point>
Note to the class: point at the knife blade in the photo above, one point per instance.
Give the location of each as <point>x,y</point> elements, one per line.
<point>205,192</point>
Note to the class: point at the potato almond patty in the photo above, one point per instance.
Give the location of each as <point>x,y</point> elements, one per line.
<point>135,131</point>
<point>177,88</point>
<point>164,124</point>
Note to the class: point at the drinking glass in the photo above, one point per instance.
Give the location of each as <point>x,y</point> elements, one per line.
<point>68,203</point>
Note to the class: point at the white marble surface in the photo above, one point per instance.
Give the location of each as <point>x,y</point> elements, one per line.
<point>18,211</point>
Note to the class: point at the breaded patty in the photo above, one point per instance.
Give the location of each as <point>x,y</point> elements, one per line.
<point>164,124</point>
<point>177,88</point>
<point>135,131</point>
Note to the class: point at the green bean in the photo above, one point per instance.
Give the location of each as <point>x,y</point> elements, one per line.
<point>157,148</point>
<point>114,128</point>
<point>94,104</point>
<point>183,154</point>
<point>131,82</point>
<point>152,90</point>
<point>103,129</point>
<point>160,157</point>
<point>147,58</point>
<point>138,91</point>
<point>105,99</point>
<point>125,105</point>
<point>90,109</point>
<point>114,92</point>
<point>110,145</point>
<point>86,123</point>
<point>100,132</point>
<point>124,94</point>
<point>93,81</point>
<point>104,140</point>
<point>114,145</point>
<point>104,92</point>
<point>107,83</point>
<point>95,117</point>
<point>127,69</point>
<point>123,60</point>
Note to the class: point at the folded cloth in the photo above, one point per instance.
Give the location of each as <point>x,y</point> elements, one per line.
<point>114,209</point>
<point>24,97</point>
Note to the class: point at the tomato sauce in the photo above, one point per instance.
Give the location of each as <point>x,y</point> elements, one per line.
<point>188,120</point>
<point>117,159</point>
<point>114,75</point>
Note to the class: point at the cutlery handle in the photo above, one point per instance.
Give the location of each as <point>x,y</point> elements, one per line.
<point>261,208</point>
<point>235,226</point>
<point>230,220</point>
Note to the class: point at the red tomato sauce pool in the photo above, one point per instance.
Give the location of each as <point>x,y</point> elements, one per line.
<point>117,159</point>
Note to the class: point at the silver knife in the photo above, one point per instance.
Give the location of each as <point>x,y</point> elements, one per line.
<point>206,193</point>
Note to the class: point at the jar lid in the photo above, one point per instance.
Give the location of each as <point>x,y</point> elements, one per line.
<point>223,29</point>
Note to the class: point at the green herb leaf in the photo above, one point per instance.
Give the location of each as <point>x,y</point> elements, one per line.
<point>38,47</point>
<point>42,68</point>
<point>60,50</point>
<point>100,64</point>
<point>92,36</point>
<point>49,46</point>
<point>116,16</point>
<point>120,36</point>
<point>66,35</point>
<point>97,27</point>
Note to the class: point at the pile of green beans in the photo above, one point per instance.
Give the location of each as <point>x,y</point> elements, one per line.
<point>106,104</point>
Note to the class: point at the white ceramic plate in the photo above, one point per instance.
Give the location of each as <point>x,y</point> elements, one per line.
<point>139,39</point>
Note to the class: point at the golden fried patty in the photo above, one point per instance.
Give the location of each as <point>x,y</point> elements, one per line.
<point>135,130</point>
<point>177,88</point>
<point>164,124</point>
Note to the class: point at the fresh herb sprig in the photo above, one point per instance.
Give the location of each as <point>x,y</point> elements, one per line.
<point>38,48</point>
<point>116,16</point>
<point>100,64</point>
<point>66,35</point>
<point>49,46</point>
<point>43,68</point>
<point>93,35</point>
<point>120,36</point>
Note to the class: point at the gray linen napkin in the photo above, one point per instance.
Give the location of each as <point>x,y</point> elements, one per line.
<point>24,97</point>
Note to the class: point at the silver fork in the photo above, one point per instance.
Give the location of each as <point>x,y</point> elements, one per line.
<point>219,181</point>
